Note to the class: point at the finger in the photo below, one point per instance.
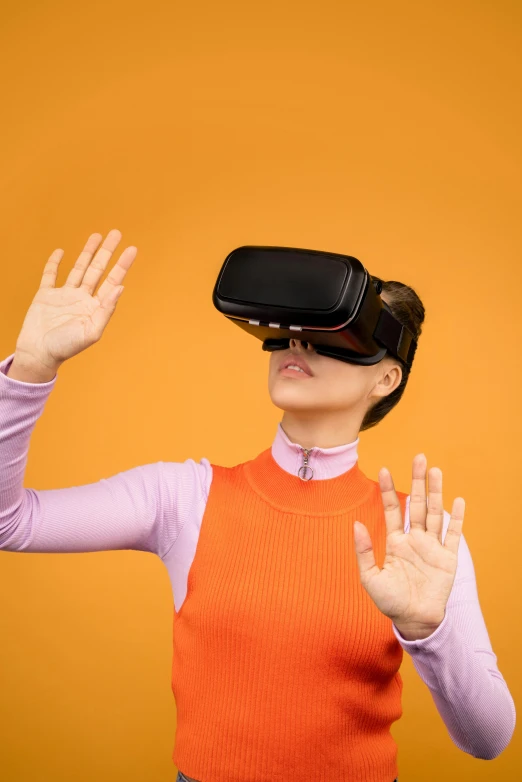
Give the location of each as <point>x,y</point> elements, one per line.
<point>390,501</point>
<point>454,531</point>
<point>435,516</point>
<point>88,273</point>
<point>51,269</point>
<point>117,274</point>
<point>364,552</point>
<point>100,261</point>
<point>418,493</point>
<point>105,311</point>
<point>77,273</point>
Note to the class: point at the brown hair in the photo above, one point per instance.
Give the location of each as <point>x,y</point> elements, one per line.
<point>409,310</point>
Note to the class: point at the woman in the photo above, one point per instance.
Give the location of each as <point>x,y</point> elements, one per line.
<point>288,637</point>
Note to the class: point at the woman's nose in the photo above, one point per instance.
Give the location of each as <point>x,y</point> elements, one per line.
<point>306,345</point>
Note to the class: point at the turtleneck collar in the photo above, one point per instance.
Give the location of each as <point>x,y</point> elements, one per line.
<point>336,486</point>
<point>325,462</point>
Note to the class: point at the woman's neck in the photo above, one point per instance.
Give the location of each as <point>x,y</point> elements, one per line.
<point>323,431</point>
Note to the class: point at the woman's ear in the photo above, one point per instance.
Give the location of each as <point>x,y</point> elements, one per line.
<point>392,378</point>
<point>388,379</point>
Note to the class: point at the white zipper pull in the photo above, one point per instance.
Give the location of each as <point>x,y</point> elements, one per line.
<point>305,466</point>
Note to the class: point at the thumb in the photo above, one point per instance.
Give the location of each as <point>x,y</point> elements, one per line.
<point>106,309</point>
<point>364,551</point>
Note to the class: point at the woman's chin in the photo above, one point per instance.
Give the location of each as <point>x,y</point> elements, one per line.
<point>291,401</point>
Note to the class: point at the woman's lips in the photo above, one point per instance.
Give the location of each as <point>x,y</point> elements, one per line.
<point>293,373</point>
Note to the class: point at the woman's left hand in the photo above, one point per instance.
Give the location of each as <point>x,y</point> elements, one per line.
<point>414,584</point>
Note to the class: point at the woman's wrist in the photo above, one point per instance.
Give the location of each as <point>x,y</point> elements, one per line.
<point>29,371</point>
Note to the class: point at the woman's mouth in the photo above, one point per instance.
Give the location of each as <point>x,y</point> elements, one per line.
<point>290,372</point>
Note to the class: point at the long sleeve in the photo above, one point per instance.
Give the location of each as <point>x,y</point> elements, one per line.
<point>459,666</point>
<point>143,508</point>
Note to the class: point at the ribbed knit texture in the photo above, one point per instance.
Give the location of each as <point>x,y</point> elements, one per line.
<point>283,666</point>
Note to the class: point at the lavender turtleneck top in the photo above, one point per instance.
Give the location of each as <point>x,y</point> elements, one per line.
<point>159,508</point>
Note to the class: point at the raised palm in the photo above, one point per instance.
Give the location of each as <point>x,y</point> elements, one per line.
<point>62,322</point>
<point>414,584</point>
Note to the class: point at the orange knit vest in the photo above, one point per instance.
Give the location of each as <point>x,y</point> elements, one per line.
<point>283,667</point>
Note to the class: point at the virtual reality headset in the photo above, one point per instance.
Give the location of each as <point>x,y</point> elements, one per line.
<point>327,299</point>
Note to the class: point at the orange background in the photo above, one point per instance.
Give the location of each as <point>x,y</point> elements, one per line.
<point>389,131</point>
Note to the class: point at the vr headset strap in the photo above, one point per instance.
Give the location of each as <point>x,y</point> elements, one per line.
<point>396,338</point>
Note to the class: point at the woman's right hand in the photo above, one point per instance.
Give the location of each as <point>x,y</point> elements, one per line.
<point>62,322</point>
